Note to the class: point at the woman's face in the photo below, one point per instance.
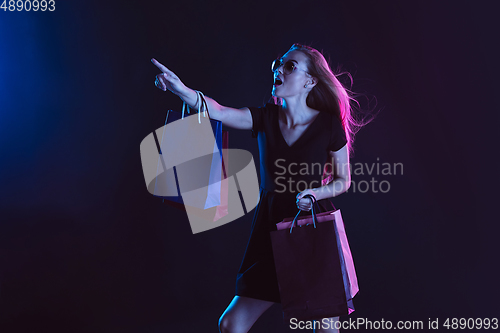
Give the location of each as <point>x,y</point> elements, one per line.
<point>288,85</point>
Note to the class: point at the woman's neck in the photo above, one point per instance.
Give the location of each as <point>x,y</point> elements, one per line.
<point>296,112</point>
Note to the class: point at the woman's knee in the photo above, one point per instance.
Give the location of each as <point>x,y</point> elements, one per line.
<point>223,324</point>
<point>227,324</point>
<point>241,314</point>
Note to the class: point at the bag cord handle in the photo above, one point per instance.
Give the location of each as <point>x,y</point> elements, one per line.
<point>202,105</point>
<point>313,202</point>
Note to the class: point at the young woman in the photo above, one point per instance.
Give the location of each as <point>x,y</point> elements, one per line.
<point>310,125</point>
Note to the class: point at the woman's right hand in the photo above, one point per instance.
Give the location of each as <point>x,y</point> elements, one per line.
<point>168,80</point>
<point>236,118</point>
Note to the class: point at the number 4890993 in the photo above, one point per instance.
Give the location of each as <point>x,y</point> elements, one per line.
<point>28,5</point>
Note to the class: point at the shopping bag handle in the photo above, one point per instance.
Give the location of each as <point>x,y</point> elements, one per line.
<point>202,105</point>
<point>313,203</point>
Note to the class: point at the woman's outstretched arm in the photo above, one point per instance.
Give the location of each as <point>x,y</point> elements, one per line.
<point>236,118</point>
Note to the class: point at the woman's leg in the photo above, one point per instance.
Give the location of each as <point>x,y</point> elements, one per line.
<point>241,314</point>
<point>328,326</point>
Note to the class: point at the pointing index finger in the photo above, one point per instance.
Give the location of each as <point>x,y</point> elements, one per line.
<point>161,67</point>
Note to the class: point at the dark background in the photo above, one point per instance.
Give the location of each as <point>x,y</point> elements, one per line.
<point>85,248</point>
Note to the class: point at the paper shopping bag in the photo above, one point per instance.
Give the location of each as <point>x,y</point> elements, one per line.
<point>218,171</point>
<point>314,266</point>
<point>206,175</point>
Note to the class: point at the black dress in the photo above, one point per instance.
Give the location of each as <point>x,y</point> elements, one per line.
<point>285,171</point>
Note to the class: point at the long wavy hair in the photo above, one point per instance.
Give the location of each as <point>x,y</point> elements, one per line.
<point>329,94</point>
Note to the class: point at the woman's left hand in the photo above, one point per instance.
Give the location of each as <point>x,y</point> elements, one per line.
<point>305,203</point>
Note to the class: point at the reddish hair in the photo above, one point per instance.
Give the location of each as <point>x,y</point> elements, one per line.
<point>329,95</point>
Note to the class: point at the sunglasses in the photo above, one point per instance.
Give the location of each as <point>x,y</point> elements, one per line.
<point>288,67</point>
